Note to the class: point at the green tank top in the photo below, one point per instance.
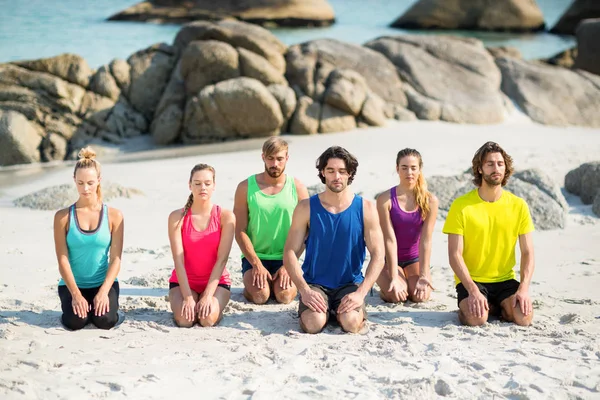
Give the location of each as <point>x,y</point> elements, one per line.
<point>270,218</point>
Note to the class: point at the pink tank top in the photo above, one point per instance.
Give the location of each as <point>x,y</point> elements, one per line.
<point>407,227</point>
<point>200,249</point>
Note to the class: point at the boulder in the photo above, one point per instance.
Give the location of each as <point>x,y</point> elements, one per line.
<point>447,78</point>
<point>102,82</point>
<point>373,110</point>
<point>254,66</point>
<point>309,65</point>
<point>168,118</point>
<point>306,118</point>
<point>596,205</point>
<point>121,71</point>
<point>588,46</point>
<point>286,98</point>
<point>584,181</point>
<point>235,108</point>
<point>237,34</point>
<point>335,120</point>
<point>125,121</point>
<point>70,67</point>
<point>546,204</point>
<point>150,72</point>
<point>346,90</point>
<point>19,140</point>
<point>485,15</point>
<point>552,95</point>
<point>265,12</point>
<point>53,147</point>
<point>577,12</point>
<point>208,62</point>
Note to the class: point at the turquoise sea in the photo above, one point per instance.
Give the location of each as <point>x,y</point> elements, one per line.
<point>37,28</point>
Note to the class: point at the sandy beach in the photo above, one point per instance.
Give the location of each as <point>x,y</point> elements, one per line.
<point>258,352</point>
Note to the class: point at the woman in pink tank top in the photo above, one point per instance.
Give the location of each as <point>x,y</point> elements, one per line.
<point>407,214</point>
<point>201,235</point>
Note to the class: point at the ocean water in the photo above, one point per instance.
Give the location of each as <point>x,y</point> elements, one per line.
<point>32,29</point>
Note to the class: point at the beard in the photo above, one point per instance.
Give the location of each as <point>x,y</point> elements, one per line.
<point>336,188</point>
<point>274,172</point>
<point>493,180</point>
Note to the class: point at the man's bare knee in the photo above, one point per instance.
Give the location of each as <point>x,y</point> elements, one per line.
<point>285,296</point>
<point>209,321</point>
<point>471,320</point>
<point>257,296</point>
<point>351,321</point>
<point>182,322</point>
<point>313,322</point>
<point>389,297</point>
<point>415,299</point>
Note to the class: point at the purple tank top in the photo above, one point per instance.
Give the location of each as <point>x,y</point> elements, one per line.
<point>407,228</point>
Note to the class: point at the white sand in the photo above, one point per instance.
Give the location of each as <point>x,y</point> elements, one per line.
<point>410,351</point>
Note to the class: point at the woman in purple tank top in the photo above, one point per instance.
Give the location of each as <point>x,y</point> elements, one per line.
<point>407,214</point>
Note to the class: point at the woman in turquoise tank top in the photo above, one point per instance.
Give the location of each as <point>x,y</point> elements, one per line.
<point>88,238</point>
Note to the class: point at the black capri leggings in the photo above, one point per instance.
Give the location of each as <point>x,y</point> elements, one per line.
<point>106,321</point>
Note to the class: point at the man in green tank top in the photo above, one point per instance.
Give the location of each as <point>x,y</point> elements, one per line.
<point>263,207</point>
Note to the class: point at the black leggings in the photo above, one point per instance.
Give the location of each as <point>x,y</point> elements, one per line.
<point>106,321</point>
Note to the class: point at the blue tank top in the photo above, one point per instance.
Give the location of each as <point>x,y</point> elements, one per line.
<point>335,247</point>
<point>88,250</point>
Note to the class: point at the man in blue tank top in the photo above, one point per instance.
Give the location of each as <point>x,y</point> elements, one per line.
<point>339,225</point>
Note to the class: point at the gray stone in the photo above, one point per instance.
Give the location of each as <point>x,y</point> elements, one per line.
<point>588,46</point>
<point>305,120</point>
<point>102,82</point>
<point>545,211</point>
<point>121,71</point>
<point>254,66</point>
<point>150,72</point>
<point>346,90</point>
<point>449,78</point>
<point>237,34</point>
<point>53,147</point>
<point>69,67</point>
<point>542,181</point>
<point>490,15</point>
<point>335,120</point>
<point>309,65</point>
<point>373,110</point>
<point>61,196</point>
<point>167,127</point>
<point>19,141</point>
<point>538,88</point>
<point>206,63</point>
<point>596,206</point>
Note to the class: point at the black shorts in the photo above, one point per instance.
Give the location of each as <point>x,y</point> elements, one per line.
<point>404,264</point>
<point>176,284</point>
<point>333,297</point>
<point>271,265</point>
<point>495,293</point>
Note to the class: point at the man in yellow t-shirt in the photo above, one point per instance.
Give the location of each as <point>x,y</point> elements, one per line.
<point>483,227</point>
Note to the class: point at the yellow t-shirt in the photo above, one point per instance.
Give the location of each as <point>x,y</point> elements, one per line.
<point>490,232</point>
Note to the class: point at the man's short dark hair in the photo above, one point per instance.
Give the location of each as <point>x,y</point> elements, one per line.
<point>350,161</point>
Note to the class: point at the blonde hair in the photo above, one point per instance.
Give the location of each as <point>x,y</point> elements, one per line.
<point>273,145</point>
<point>87,159</point>
<point>190,200</point>
<point>420,191</point>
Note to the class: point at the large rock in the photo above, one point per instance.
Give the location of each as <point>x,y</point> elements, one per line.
<point>309,65</point>
<point>346,90</point>
<point>588,46</point>
<point>267,12</point>
<point>168,118</point>
<point>102,82</point>
<point>254,66</point>
<point>19,140</point>
<point>121,71</point>
<point>449,78</point>
<point>208,62</point>
<point>286,98</point>
<point>150,71</point>
<point>487,15</point>
<point>542,195</point>
<point>335,120</point>
<point>237,34</point>
<point>579,10</point>
<point>235,108</point>
<point>306,118</point>
<point>584,181</point>
<point>552,95</point>
<point>70,67</point>
<point>596,205</point>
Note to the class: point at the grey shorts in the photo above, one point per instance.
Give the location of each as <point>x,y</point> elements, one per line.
<point>333,297</point>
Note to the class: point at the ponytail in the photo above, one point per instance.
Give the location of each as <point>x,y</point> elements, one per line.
<point>421,193</point>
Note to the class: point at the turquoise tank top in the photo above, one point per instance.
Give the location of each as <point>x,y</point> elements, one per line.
<point>88,250</point>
